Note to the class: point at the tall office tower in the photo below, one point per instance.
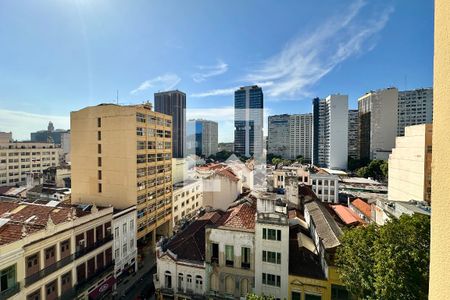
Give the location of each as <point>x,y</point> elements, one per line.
<point>330,132</point>
<point>377,123</point>
<point>410,165</point>
<point>248,121</point>
<point>173,103</point>
<point>201,137</point>
<point>414,107</point>
<point>278,135</point>
<point>121,156</point>
<point>353,133</point>
<point>300,136</point>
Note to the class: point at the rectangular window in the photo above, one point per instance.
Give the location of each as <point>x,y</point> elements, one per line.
<point>270,279</point>
<point>245,258</point>
<point>272,257</point>
<point>296,296</point>
<point>99,122</point>
<point>99,161</point>
<point>99,175</point>
<point>312,297</point>
<point>99,148</point>
<point>8,278</point>
<point>99,187</point>
<point>229,255</point>
<point>99,135</point>
<point>272,234</point>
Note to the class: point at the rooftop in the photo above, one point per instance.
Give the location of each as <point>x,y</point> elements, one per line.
<point>363,207</point>
<point>347,215</point>
<point>184,183</point>
<point>240,215</point>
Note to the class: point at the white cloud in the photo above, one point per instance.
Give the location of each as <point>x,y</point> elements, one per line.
<point>210,71</point>
<point>23,123</point>
<point>306,59</point>
<point>163,82</point>
<point>217,92</point>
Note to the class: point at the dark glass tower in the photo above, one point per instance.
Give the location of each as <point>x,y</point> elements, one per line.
<point>173,103</point>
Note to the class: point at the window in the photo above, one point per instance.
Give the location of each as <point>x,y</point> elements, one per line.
<point>50,290</point>
<point>271,234</point>
<point>270,279</point>
<point>99,122</point>
<point>180,280</point>
<point>245,258</point>
<point>131,244</point>
<point>99,135</point>
<point>198,282</point>
<point>272,257</point>
<point>8,278</point>
<point>167,280</point>
<point>99,148</point>
<point>189,282</point>
<point>131,225</point>
<point>215,253</point>
<point>296,296</point>
<point>99,175</point>
<point>339,293</point>
<point>99,187</point>
<point>124,229</point>
<point>116,233</point>
<point>117,253</point>
<point>312,297</point>
<point>36,295</point>
<point>99,161</point>
<point>229,255</point>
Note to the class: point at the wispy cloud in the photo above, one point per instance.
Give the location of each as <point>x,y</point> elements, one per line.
<point>309,57</point>
<point>23,122</point>
<point>206,72</point>
<point>163,83</point>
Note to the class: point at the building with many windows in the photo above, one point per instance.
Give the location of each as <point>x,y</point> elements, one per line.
<point>202,137</point>
<point>187,200</point>
<point>248,121</point>
<point>278,135</point>
<point>353,133</point>
<point>173,103</point>
<point>55,252</point>
<point>330,132</point>
<point>17,159</point>
<point>51,135</point>
<point>414,107</point>
<point>378,111</point>
<point>122,156</point>
<point>410,165</point>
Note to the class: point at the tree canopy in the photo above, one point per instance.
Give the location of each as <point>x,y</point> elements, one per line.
<point>377,169</point>
<point>387,262</point>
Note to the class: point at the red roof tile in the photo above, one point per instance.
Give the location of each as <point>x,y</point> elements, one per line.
<point>241,216</point>
<point>346,214</point>
<point>362,207</point>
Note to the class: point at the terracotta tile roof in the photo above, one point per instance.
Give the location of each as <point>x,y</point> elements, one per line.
<point>241,216</point>
<point>347,215</point>
<point>363,207</point>
<point>227,172</point>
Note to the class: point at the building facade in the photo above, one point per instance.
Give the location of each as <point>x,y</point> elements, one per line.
<point>410,165</point>
<point>278,135</point>
<point>187,200</point>
<point>326,187</point>
<point>124,247</point>
<point>353,133</point>
<point>248,121</point>
<point>62,252</point>
<point>121,156</point>
<point>300,136</point>
<point>414,107</point>
<point>173,103</point>
<point>17,159</point>
<point>48,136</point>
<point>330,132</point>
<point>378,123</point>
<point>202,137</point>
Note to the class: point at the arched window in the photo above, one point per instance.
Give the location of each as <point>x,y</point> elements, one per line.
<point>180,281</point>
<point>198,282</point>
<point>167,280</point>
<point>189,282</point>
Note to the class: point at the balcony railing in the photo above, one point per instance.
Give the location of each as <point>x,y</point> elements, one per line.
<point>10,292</point>
<point>84,250</point>
<point>49,269</point>
<point>81,286</point>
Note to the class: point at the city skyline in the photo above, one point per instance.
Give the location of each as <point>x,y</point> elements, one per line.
<point>93,58</point>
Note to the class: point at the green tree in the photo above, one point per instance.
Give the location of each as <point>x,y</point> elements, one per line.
<point>389,262</point>
<point>299,159</point>
<point>257,297</point>
<point>377,169</point>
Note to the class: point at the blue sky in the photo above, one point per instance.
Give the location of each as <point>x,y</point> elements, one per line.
<point>59,56</point>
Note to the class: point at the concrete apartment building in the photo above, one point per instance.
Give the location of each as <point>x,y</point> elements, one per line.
<point>65,146</point>
<point>187,200</point>
<point>410,165</point>
<point>249,121</point>
<point>300,136</point>
<point>325,186</point>
<point>122,156</point>
<point>414,107</point>
<point>125,246</point>
<point>17,159</point>
<point>55,252</point>
<point>378,123</point>
<point>202,137</point>
<point>173,103</point>
<point>330,132</point>
<point>290,136</point>
<point>353,133</point>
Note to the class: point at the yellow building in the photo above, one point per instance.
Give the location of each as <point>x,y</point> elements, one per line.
<point>121,156</point>
<point>55,252</point>
<point>410,165</point>
<point>310,288</point>
<point>440,225</point>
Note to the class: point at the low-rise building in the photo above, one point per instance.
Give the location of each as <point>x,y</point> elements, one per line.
<point>125,248</point>
<point>361,208</point>
<point>55,252</point>
<point>384,210</point>
<point>187,200</point>
<point>325,186</point>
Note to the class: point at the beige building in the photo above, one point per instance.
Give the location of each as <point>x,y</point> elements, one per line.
<point>187,200</point>
<point>55,252</point>
<point>440,225</point>
<point>410,165</point>
<point>17,159</point>
<point>121,156</point>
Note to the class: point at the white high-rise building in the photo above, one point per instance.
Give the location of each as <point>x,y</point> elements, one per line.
<point>330,132</point>
<point>378,123</point>
<point>414,107</point>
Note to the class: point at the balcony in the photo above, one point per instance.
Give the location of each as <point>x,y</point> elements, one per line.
<point>245,265</point>
<point>89,248</point>
<point>49,269</point>
<point>10,292</point>
<point>81,286</point>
